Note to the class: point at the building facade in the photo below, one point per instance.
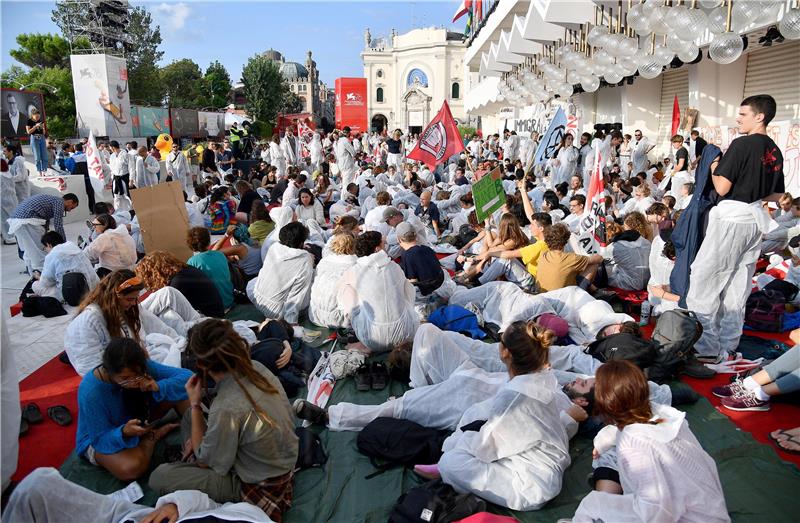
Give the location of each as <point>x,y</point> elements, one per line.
<point>409,76</point>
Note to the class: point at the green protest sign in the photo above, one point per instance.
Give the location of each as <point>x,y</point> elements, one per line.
<point>488,195</point>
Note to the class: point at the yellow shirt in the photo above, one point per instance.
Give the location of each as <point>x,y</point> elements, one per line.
<point>530,255</point>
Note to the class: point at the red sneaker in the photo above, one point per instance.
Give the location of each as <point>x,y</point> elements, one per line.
<point>730,390</point>
<point>745,401</point>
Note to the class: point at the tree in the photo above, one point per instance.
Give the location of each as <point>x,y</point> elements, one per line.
<point>59,106</point>
<point>292,103</point>
<point>264,89</point>
<point>218,85</point>
<point>184,84</point>
<point>41,50</point>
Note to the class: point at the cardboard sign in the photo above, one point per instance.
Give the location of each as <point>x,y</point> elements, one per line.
<point>488,194</point>
<point>163,219</point>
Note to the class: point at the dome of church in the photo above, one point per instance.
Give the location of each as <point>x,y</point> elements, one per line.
<point>293,70</point>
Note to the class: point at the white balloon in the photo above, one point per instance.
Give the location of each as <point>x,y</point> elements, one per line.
<point>637,19</point>
<point>789,26</point>
<point>745,13</point>
<point>660,20</point>
<point>689,54</point>
<point>627,65</point>
<point>675,44</point>
<point>726,48</point>
<point>596,32</point>
<point>500,98</point>
<point>662,55</point>
<point>612,44</point>
<point>590,83</point>
<point>613,75</point>
<point>717,19</point>
<point>628,47</point>
<point>650,70</point>
<point>697,23</point>
<point>649,5</point>
<point>565,90</point>
<point>708,4</point>
<point>603,57</point>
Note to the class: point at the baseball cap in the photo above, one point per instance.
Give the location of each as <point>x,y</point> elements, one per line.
<point>403,229</point>
<point>391,212</point>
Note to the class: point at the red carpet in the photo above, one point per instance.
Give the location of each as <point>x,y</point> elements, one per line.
<point>48,444</point>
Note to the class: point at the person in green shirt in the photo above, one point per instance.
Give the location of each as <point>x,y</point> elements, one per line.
<point>213,263</point>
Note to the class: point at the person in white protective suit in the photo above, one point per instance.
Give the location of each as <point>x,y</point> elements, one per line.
<point>315,153</point>
<point>10,411</point>
<point>751,171</point>
<point>8,200</point>
<point>346,158</point>
<point>661,263</point>
<point>510,145</point>
<point>565,162</point>
<point>663,472</point>
<point>44,495</point>
<point>62,257</point>
<point>627,256</point>
<point>19,173</point>
<point>323,309</point>
<point>145,169</point>
<point>290,146</point>
<point>281,216</point>
<point>178,167</point>
<point>277,156</point>
<point>787,222</point>
<point>112,310</point>
<point>639,148</point>
<point>377,297</point>
<point>283,286</point>
<point>113,248</point>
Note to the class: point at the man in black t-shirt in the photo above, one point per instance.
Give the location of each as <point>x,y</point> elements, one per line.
<point>394,149</point>
<point>749,173</point>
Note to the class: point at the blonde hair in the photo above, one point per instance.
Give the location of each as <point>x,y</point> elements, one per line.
<point>343,243</point>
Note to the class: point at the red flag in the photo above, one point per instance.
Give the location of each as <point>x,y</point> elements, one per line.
<point>439,141</point>
<point>463,9</point>
<point>676,117</point>
<point>478,10</point>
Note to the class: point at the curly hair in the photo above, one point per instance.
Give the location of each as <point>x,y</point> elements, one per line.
<point>343,243</point>
<point>198,239</point>
<point>636,221</point>
<point>157,269</point>
<point>106,297</point>
<point>556,236</point>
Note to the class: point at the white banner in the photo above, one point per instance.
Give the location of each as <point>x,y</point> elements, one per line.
<point>592,233</point>
<point>96,165</point>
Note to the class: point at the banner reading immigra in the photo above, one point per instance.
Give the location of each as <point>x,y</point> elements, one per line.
<point>592,231</point>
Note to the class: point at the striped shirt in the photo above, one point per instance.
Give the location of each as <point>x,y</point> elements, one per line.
<point>45,207</point>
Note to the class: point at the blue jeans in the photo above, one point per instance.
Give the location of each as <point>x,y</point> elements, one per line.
<point>785,371</point>
<point>39,152</point>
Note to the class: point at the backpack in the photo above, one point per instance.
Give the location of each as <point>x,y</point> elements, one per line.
<point>74,287</point>
<point>310,454</point>
<point>239,281</point>
<point>788,289</point>
<point>676,332</point>
<point>457,319</point>
<point>764,311</point>
<point>465,235</point>
<point>625,346</point>
<point>399,442</point>
<point>435,502</point>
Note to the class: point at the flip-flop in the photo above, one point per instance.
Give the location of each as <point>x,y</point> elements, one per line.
<point>789,437</point>
<point>60,414</point>
<point>32,414</point>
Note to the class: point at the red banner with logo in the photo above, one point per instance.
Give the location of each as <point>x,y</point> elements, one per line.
<point>439,141</point>
<point>351,104</point>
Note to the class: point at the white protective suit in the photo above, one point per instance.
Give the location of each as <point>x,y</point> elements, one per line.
<point>114,249</point>
<point>502,303</point>
<point>315,152</point>
<point>627,263</point>
<point>278,159</point>
<point>323,310</point>
<point>178,168</point>
<point>665,474</point>
<point>87,336</point>
<point>8,201</point>
<point>19,173</point>
<point>120,167</point>
<point>46,496</point>
<point>63,258</point>
<point>660,271</point>
<point>511,147</point>
<point>9,410</point>
<point>289,152</point>
<point>280,216</point>
<point>379,301</point>
<point>638,152</point>
<point>283,286</point>
<point>345,158</point>
<point>565,164</point>
<point>518,458</point>
<point>142,176</point>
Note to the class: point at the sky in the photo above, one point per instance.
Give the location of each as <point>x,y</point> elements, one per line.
<point>232,31</point>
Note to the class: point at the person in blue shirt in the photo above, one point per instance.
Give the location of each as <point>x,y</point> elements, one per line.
<point>118,402</point>
<point>213,263</point>
<point>428,213</point>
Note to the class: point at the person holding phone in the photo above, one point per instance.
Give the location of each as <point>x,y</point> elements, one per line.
<point>118,403</point>
<point>35,129</point>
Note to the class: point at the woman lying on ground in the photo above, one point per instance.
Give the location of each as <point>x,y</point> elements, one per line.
<point>648,464</point>
<point>161,269</point>
<point>119,400</point>
<point>245,448</point>
<point>112,310</point>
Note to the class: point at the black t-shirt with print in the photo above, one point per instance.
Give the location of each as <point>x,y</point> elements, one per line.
<point>682,153</point>
<point>393,145</point>
<point>38,130</point>
<point>754,165</point>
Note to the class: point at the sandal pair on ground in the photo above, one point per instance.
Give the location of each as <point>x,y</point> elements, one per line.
<point>32,415</point>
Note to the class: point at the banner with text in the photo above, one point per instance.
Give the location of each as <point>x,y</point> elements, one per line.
<point>551,139</point>
<point>488,194</point>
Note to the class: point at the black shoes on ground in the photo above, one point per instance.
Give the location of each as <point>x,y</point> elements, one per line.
<point>306,410</point>
<point>373,376</point>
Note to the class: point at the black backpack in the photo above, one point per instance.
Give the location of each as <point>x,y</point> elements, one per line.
<point>310,452</point>
<point>435,502</point>
<point>676,333</point>
<point>391,442</point>
<point>625,346</point>
<point>788,289</point>
<point>74,287</point>
<point>764,311</point>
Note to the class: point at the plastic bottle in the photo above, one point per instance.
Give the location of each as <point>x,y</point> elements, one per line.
<point>644,318</point>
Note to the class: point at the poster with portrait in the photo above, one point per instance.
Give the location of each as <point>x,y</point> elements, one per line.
<point>150,121</point>
<point>184,122</point>
<point>102,100</point>
<point>16,109</point>
<point>211,124</point>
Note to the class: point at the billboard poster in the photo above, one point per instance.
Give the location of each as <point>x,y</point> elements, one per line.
<point>102,100</point>
<point>291,120</point>
<point>184,122</point>
<point>211,124</point>
<point>16,109</point>
<point>351,104</point>
<point>149,121</point>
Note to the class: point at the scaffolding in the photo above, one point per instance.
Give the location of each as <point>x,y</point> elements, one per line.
<point>101,23</point>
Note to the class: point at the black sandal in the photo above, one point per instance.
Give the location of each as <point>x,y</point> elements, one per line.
<point>32,414</point>
<point>60,414</point>
<point>380,376</point>
<point>363,378</point>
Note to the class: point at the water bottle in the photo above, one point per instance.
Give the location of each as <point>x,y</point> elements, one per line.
<point>644,318</point>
